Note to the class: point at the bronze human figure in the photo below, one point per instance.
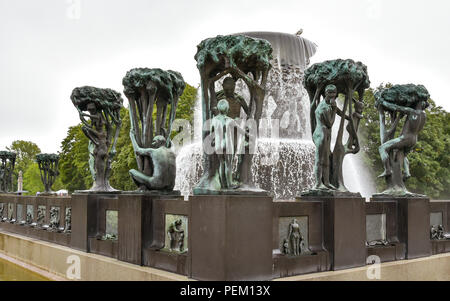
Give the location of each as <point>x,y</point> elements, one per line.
<point>399,102</point>
<point>295,238</point>
<point>164,165</point>
<point>102,129</point>
<point>347,77</point>
<point>232,58</point>
<point>325,114</point>
<point>145,88</point>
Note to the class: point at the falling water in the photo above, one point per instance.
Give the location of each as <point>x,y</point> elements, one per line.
<point>284,160</point>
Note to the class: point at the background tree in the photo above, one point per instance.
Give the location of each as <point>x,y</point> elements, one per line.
<point>429,161</point>
<point>73,165</point>
<point>26,152</point>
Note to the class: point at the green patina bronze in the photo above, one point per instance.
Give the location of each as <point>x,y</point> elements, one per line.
<point>103,106</point>
<point>144,88</point>
<point>328,79</point>
<point>240,58</point>
<point>48,168</point>
<point>395,103</point>
<point>8,161</point>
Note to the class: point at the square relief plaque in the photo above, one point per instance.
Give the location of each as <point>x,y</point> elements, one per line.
<point>30,214</point>
<point>20,213</point>
<point>41,213</point>
<point>436,218</point>
<point>293,235</point>
<point>10,211</point>
<point>375,228</point>
<point>112,221</point>
<point>176,233</point>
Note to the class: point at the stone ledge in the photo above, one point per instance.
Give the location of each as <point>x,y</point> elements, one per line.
<point>433,268</point>
<point>52,258</point>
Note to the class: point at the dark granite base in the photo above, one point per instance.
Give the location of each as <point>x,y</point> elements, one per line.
<point>107,248</point>
<point>388,253</point>
<point>440,246</point>
<point>231,237</point>
<point>171,262</point>
<point>344,226</point>
<point>237,192</point>
<point>286,266</point>
<point>329,193</point>
<point>413,223</point>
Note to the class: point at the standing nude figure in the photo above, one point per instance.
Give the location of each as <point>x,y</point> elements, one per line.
<point>325,115</point>
<point>295,237</point>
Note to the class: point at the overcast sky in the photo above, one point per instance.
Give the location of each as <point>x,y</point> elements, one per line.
<point>49,47</point>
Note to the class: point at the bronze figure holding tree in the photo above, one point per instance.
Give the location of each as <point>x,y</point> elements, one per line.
<point>399,103</point>
<point>103,127</point>
<point>231,58</point>
<point>48,168</point>
<point>150,136</point>
<point>329,79</point>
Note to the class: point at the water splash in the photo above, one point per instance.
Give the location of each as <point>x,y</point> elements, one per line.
<point>284,160</point>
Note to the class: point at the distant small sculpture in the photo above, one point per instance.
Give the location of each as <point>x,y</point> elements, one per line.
<point>10,211</point>
<point>380,242</point>
<point>29,218</point>
<point>54,218</point>
<point>144,88</point>
<point>103,106</point>
<point>20,182</point>
<point>68,220</point>
<point>163,162</point>
<point>40,216</point>
<point>48,168</point>
<point>437,233</point>
<point>397,102</point>
<point>8,161</point>
<point>329,79</point>
<point>2,209</point>
<point>231,58</point>
<point>285,248</point>
<point>295,238</point>
<point>176,236</point>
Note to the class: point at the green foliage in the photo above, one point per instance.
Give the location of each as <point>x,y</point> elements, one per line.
<point>170,83</point>
<point>403,95</point>
<point>105,99</point>
<point>186,104</point>
<point>124,160</point>
<point>243,52</point>
<point>429,161</point>
<point>338,72</point>
<point>32,180</point>
<point>26,153</point>
<point>74,171</point>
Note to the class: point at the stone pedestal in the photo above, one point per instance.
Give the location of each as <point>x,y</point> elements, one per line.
<point>413,222</point>
<point>344,226</point>
<point>89,221</point>
<point>231,237</point>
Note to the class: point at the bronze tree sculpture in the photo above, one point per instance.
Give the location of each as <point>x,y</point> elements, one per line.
<point>241,58</point>
<point>347,77</point>
<point>144,88</point>
<point>48,168</point>
<point>8,161</point>
<point>394,104</point>
<point>103,106</point>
